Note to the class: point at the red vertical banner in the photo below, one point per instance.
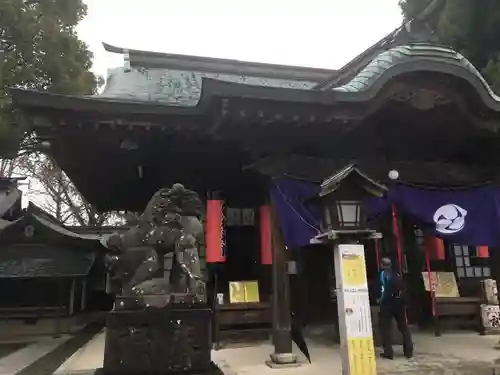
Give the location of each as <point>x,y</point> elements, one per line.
<point>266,244</point>
<point>214,232</point>
<point>435,247</point>
<point>483,252</point>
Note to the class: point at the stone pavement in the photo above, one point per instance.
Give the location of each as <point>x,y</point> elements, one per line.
<point>88,357</point>
<point>453,353</point>
<point>22,358</point>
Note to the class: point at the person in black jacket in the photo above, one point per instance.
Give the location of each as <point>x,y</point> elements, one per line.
<point>392,306</point>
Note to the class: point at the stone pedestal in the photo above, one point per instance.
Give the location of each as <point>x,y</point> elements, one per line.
<point>158,341</point>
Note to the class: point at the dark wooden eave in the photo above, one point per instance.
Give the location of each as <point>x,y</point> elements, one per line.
<point>147,59</point>
<point>412,172</point>
<point>38,100</point>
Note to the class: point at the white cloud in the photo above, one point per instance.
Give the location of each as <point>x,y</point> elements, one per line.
<point>317,33</point>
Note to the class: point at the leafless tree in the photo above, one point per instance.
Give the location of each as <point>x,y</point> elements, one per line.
<point>55,193</point>
<point>52,190</point>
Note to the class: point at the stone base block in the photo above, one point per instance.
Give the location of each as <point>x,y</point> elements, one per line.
<point>170,340</point>
<point>283,360</point>
<point>272,364</point>
<point>212,370</point>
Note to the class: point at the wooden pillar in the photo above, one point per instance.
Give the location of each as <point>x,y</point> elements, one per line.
<point>71,307</point>
<point>282,339</point>
<point>83,302</point>
<point>60,302</point>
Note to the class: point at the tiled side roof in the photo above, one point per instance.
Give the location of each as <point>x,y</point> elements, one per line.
<point>178,87</point>
<point>40,261</point>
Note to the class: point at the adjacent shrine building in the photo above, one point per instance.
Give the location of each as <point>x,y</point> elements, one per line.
<point>233,131</point>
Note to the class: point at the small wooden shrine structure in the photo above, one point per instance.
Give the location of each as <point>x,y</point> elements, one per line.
<point>45,269</point>
<point>232,130</point>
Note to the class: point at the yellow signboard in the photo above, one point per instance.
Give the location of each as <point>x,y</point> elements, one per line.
<point>236,292</point>
<point>361,356</point>
<point>358,352</point>
<point>244,292</point>
<point>353,266</point>
<point>252,291</point>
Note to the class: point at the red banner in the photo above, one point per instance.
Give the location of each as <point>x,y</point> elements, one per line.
<point>214,232</point>
<point>435,247</point>
<point>483,252</point>
<point>266,243</point>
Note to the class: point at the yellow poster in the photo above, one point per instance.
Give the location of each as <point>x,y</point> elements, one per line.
<point>252,292</point>
<point>361,356</point>
<point>353,266</point>
<point>236,292</point>
<point>244,292</point>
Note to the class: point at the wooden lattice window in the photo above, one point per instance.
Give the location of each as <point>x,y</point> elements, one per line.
<point>465,270</point>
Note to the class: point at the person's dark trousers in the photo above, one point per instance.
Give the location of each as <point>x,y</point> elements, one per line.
<point>389,311</point>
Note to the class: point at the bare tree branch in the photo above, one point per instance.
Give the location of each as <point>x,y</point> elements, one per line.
<point>53,191</point>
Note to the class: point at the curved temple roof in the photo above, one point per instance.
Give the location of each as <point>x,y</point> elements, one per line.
<point>411,55</point>
<point>414,57</point>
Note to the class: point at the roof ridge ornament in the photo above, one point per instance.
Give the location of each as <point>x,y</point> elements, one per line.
<point>126,61</point>
<point>418,27</point>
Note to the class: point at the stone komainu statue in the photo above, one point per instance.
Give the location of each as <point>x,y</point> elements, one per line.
<point>169,224</point>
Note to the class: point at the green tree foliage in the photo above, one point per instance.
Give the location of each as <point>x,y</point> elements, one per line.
<point>471,27</point>
<point>40,50</point>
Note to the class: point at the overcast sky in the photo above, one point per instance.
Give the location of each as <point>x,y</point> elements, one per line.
<point>316,33</point>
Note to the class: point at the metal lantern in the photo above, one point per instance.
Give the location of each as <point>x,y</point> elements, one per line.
<point>341,212</point>
<point>342,196</point>
<point>349,213</point>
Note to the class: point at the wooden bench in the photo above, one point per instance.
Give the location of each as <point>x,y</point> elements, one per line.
<point>241,320</point>
<point>461,310</point>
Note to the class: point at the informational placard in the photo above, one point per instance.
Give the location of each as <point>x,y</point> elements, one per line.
<point>444,284</point>
<point>355,325</point>
<point>244,292</point>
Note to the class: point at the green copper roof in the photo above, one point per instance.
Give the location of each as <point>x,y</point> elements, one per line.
<point>414,56</point>
<point>178,87</point>
<point>175,87</point>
